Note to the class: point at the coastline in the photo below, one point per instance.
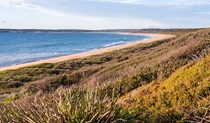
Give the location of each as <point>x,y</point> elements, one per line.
<point>154,37</point>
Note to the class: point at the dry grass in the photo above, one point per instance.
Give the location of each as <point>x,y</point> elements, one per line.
<point>64,106</point>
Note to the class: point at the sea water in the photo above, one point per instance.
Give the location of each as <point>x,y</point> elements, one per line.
<point>17,48</point>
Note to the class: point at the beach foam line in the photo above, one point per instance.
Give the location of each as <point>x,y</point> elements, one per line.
<point>154,37</point>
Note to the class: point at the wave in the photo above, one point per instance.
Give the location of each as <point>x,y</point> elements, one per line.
<point>114,44</point>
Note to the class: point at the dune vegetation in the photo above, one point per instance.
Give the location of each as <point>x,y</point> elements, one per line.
<point>162,81</point>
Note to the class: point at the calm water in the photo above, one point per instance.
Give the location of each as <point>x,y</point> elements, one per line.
<point>17,48</point>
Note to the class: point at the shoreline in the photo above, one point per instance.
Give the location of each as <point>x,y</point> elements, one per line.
<point>154,37</point>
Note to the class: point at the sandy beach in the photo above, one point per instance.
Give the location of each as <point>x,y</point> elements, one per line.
<point>155,37</point>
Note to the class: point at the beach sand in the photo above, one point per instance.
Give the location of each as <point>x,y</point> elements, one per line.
<point>155,37</point>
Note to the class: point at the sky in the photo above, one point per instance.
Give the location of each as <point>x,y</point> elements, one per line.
<point>104,14</point>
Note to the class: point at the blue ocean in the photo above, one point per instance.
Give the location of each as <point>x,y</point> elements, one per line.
<point>17,48</point>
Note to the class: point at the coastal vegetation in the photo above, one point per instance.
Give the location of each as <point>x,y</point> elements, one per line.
<point>162,81</point>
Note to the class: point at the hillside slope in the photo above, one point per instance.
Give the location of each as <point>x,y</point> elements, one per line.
<point>185,90</point>
<point>184,96</point>
<point>142,76</point>
<point>149,61</point>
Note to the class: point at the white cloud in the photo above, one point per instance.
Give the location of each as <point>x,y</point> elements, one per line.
<point>2,21</point>
<point>186,3</point>
<point>159,2</point>
<point>80,21</point>
<point>125,23</point>
<point>203,13</point>
<point>23,4</point>
<point>119,1</point>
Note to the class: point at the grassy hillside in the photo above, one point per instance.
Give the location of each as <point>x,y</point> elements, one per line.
<point>184,95</point>
<point>58,92</point>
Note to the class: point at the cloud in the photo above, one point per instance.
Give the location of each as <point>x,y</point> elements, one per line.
<point>2,21</point>
<point>119,1</point>
<point>23,4</point>
<point>159,2</point>
<point>126,23</point>
<point>187,3</point>
<point>202,13</point>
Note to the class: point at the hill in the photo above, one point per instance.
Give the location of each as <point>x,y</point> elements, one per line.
<point>149,78</point>
<point>184,95</point>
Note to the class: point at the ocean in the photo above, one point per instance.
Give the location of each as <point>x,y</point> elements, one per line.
<point>18,48</point>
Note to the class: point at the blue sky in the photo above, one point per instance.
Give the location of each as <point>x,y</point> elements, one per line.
<point>104,14</point>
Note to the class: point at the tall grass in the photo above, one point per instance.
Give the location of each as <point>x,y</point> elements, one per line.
<point>64,106</point>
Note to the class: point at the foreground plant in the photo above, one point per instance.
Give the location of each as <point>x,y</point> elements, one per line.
<point>65,106</point>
